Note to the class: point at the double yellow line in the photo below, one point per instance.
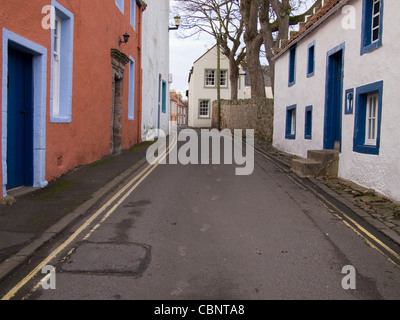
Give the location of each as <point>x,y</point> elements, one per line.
<point>124,193</point>
<point>368,237</point>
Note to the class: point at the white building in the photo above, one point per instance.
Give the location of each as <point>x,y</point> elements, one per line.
<point>155,68</point>
<point>203,87</point>
<point>337,86</point>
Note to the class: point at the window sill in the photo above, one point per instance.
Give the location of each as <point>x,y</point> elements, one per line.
<point>366,149</point>
<point>60,120</point>
<point>371,47</point>
<point>290,136</point>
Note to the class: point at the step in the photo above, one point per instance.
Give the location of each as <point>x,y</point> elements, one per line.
<point>306,167</point>
<point>323,156</point>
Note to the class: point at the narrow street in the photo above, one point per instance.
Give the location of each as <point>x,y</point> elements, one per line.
<point>200,232</point>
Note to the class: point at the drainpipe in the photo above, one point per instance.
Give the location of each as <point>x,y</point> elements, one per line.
<point>159,104</point>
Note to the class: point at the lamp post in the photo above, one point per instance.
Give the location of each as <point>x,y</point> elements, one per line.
<point>219,80</point>
<point>177,23</point>
<point>126,38</point>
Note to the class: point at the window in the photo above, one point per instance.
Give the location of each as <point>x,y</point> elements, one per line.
<point>368,111</point>
<point>62,65</point>
<point>308,123</point>
<point>204,109</point>
<point>224,78</point>
<point>211,75</point>
<point>372,102</point>
<point>210,78</point>
<point>120,5</point>
<point>372,23</point>
<point>133,14</point>
<point>290,122</point>
<point>131,103</point>
<point>292,66</point>
<point>311,60</point>
<point>56,66</point>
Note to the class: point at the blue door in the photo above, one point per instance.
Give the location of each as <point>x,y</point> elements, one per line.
<point>19,120</point>
<point>334,88</point>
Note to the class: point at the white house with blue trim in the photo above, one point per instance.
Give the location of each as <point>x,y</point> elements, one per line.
<point>155,61</point>
<point>337,88</point>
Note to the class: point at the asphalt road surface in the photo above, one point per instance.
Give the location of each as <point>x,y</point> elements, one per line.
<point>201,232</point>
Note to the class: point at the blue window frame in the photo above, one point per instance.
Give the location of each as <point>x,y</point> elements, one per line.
<point>133,14</point>
<point>131,102</point>
<point>164,97</point>
<point>290,132</point>
<point>311,60</point>
<point>367,120</point>
<point>308,123</point>
<point>120,5</point>
<point>372,25</point>
<point>292,65</point>
<point>62,65</point>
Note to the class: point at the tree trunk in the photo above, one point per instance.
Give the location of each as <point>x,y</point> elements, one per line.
<point>254,68</point>
<point>253,40</point>
<point>233,77</point>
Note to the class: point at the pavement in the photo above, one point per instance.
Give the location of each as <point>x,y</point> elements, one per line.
<point>31,219</point>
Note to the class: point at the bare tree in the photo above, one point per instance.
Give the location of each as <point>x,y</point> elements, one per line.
<point>253,39</point>
<point>222,20</point>
<point>268,22</point>
<point>276,17</point>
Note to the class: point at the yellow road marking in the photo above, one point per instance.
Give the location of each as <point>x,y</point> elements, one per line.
<point>356,228</point>
<point>142,175</point>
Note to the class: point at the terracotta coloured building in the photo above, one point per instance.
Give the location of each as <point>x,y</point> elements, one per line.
<point>70,85</point>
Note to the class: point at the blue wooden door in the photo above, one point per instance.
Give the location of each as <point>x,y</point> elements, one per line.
<point>333,119</point>
<point>19,120</point>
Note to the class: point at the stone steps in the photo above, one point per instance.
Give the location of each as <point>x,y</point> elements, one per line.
<point>317,163</point>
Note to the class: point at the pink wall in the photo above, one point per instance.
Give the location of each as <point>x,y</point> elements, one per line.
<point>97,28</point>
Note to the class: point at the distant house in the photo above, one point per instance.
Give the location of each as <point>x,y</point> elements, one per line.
<point>336,88</point>
<point>178,109</point>
<point>203,85</point>
<point>155,61</point>
<point>70,89</point>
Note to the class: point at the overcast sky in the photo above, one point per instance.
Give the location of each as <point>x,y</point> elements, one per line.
<point>183,52</point>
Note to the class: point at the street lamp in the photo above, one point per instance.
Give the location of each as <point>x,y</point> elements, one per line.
<point>126,38</point>
<point>177,23</point>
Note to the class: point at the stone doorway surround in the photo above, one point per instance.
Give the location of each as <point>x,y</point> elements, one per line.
<point>118,60</point>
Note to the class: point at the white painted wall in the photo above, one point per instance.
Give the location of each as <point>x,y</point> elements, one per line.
<point>380,172</point>
<point>198,90</point>
<point>155,62</point>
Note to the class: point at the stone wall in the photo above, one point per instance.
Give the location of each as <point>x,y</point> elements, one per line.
<point>257,114</point>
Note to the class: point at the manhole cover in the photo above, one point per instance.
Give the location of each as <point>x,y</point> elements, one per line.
<point>106,258</point>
